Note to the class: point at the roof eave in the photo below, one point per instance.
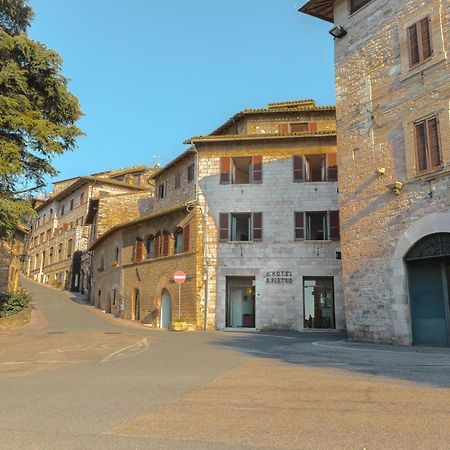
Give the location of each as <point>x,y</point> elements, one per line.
<point>310,9</point>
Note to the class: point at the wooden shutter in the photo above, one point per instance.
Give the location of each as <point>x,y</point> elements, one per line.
<point>283,128</point>
<point>332,168</point>
<point>413,41</point>
<point>257,226</point>
<point>139,251</point>
<point>223,226</point>
<point>425,37</point>
<point>165,251</point>
<point>313,127</point>
<point>186,238</point>
<point>225,170</point>
<point>257,169</point>
<point>298,168</point>
<point>433,142</point>
<point>334,225</point>
<point>421,146</point>
<point>158,245</point>
<point>299,225</point>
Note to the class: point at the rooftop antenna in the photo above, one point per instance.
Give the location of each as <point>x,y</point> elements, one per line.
<point>155,161</point>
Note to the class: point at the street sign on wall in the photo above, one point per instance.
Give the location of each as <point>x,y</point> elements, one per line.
<point>179,277</point>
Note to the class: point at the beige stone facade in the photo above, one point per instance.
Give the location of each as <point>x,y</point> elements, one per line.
<point>59,233</point>
<point>392,82</point>
<point>11,259</point>
<point>270,275</point>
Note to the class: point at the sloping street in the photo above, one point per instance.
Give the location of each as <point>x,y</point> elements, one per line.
<point>77,378</point>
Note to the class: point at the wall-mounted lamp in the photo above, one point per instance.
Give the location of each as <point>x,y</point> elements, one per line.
<point>338,32</point>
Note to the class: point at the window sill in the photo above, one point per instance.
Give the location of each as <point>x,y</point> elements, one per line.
<point>434,174</point>
<point>422,67</point>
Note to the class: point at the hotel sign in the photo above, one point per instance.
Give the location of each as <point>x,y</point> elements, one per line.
<point>279,277</point>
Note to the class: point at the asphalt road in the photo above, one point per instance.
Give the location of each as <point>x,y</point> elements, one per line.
<point>76,378</point>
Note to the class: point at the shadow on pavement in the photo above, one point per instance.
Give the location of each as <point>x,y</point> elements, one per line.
<point>331,350</point>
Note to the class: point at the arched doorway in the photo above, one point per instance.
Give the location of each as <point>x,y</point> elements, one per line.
<point>166,309</point>
<point>428,266</point>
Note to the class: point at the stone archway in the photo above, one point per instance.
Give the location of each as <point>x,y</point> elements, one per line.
<point>428,270</point>
<point>427,225</point>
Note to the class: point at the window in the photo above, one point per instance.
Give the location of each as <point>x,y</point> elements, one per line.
<point>60,250</point>
<point>162,190</point>
<point>419,42</point>
<point>158,245</point>
<point>190,173</point>
<point>50,256</point>
<point>357,4</point>
<point>62,209</point>
<point>81,198</point>
<point>116,254</point>
<point>179,244</point>
<point>71,204</point>
<point>177,180</point>
<point>240,227</point>
<point>315,168</point>
<point>139,250</point>
<point>428,153</point>
<point>69,248</point>
<point>298,127</point>
<point>114,297</point>
<point>317,225</point>
<point>241,170</point>
<point>150,246</point>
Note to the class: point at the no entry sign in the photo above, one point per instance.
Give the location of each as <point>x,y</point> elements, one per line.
<point>179,277</point>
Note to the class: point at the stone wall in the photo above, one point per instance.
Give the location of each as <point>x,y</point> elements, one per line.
<point>278,306</point>
<point>378,99</point>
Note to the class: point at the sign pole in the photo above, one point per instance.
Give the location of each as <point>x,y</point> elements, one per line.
<point>179,300</point>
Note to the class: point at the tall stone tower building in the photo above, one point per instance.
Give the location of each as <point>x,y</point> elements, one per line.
<point>393,90</point>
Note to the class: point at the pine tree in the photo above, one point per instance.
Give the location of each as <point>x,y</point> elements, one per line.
<point>37,113</point>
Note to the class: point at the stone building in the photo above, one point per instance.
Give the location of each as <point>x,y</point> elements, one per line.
<point>11,259</point>
<point>59,233</point>
<point>393,92</point>
<point>267,190</point>
<point>134,262</point>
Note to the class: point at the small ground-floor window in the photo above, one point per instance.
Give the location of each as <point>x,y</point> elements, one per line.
<point>240,303</point>
<point>318,302</point>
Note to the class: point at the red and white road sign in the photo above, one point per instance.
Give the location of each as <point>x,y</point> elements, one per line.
<point>179,277</point>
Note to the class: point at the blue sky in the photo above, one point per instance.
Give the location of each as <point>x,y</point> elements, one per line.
<point>151,73</point>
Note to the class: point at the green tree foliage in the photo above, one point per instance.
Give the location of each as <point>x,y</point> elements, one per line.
<point>37,112</point>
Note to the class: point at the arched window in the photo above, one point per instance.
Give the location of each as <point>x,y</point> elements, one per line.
<point>158,245</point>
<point>150,246</point>
<point>179,241</point>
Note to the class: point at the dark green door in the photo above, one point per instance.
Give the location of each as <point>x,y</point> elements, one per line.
<point>428,293</point>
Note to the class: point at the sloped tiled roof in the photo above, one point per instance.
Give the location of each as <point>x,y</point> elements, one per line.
<point>240,137</point>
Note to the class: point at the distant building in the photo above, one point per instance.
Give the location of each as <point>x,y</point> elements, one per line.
<point>59,233</point>
<point>12,256</point>
<point>393,93</point>
<point>134,262</point>
<point>250,214</point>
